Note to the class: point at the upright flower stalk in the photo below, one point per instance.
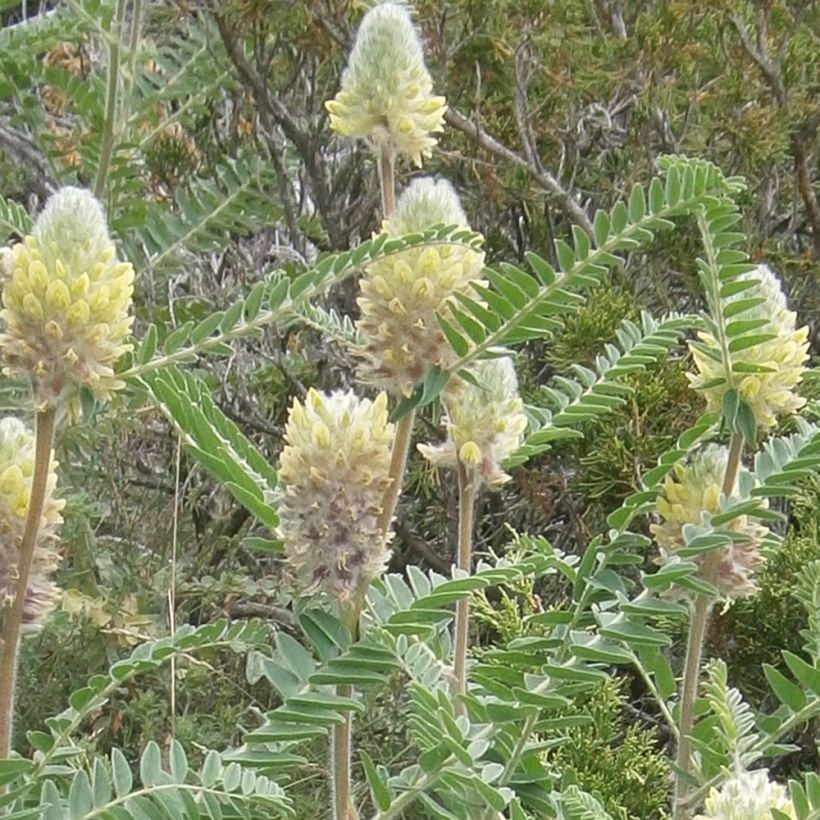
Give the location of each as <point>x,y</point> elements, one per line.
<point>763,378</point>
<point>333,473</point>
<point>42,481</point>
<point>700,610</point>
<point>485,425</point>
<point>400,298</point>
<point>65,309</point>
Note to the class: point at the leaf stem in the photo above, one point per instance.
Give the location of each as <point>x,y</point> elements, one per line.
<point>699,620</point>
<point>44,438</point>
<point>110,100</point>
<point>466,510</point>
<point>809,711</point>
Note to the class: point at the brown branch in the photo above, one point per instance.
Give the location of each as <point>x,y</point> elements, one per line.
<point>771,71</point>
<point>274,113</point>
<point>547,181</point>
<point>420,547</point>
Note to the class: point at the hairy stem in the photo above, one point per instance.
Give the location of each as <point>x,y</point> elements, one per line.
<point>398,463</point>
<point>340,754</point>
<point>340,751</point>
<point>14,616</point>
<point>699,621</point>
<point>466,506</point>
<point>110,100</point>
<point>133,48</point>
<point>387,178</point>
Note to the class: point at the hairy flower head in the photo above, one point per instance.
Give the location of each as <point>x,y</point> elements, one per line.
<point>485,423</point>
<point>402,293</point>
<point>692,490</point>
<point>16,472</point>
<point>387,94</point>
<point>747,796</point>
<point>334,473</point>
<point>765,374</point>
<point>66,301</point>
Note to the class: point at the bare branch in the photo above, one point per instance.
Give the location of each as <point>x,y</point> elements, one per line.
<point>548,182</point>
<point>772,74</point>
<point>275,113</point>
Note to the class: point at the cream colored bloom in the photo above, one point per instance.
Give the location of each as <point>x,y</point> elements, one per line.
<point>747,796</point>
<point>387,94</point>
<point>16,471</point>
<point>334,473</point>
<point>485,424</point>
<point>66,300</point>
<point>402,293</point>
<point>692,490</point>
<point>781,360</point>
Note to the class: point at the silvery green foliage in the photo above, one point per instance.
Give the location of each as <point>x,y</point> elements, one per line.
<point>470,766</point>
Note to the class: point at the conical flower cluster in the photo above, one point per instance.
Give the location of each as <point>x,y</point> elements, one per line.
<point>334,474</point>
<point>747,796</point>
<point>692,490</point>
<point>66,301</point>
<point>16,471</point>
<point>485,424</point>
<point>402,293</point>
<point>387,94</point>
<point>765,374</point>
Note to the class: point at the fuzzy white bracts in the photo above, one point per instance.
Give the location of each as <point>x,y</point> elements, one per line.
<point>402,293</point>
<point>766,374</point>
<point>691,491</point>
<point>387,93</point>
<point>485,423</point>
<point>66,299</point>
<point>334,473</point>
<point>747,796</point>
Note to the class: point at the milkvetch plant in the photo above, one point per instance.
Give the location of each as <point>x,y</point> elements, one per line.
<point>387,93</point>
<point>66,301</point>
<point>435,329</point>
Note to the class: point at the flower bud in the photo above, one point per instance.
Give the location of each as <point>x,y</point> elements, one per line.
<point>66,301</point>
<point>766,374</point>
<point>17,448</point>
<point>747,796</point>
<point>402,293</point>
<point>693,490</point>
<point>387,93</point>
<point>485,423</point>
<point>334,473</point>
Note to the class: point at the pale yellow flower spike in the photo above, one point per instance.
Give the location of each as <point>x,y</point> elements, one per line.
<point>781,361</point>
<point>485,424</point>
<point>387,93</point>
<point>693,490</point>
<point>747,796</point>
<point>66,300</point>
<point>333,474</point>
<point>16,469</point>
<point>402,293</point>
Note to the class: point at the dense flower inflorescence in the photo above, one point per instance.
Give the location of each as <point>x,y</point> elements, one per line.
<point>485,422</point>
<point>768,372</point>
<point>402,293</point>
<point>65,302</point>
<point>16,471</point>
<point>387,94</point>
<point>334,474</point>
<point>747,796</point>
<point>692,490</point>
